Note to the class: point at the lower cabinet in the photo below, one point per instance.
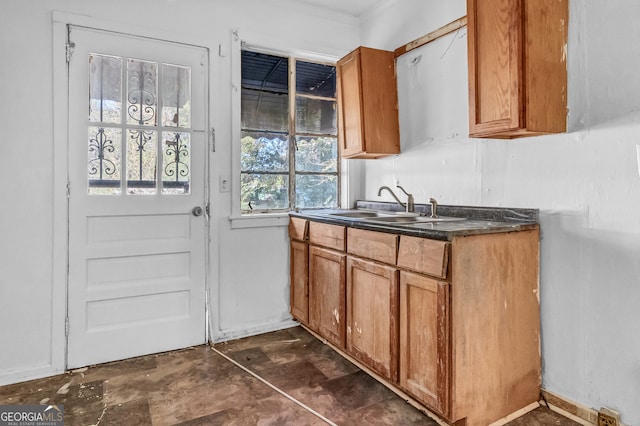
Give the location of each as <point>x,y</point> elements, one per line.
<point>372,312</point>
<point>453,324</point>
<point>299,281</point>
<point>424,340</point>
<point>327,294</point>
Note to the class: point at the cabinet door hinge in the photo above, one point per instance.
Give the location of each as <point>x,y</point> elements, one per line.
<point>68,189</point>
<point>66,326</point>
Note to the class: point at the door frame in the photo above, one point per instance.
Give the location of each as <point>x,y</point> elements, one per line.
<point>60,157</point>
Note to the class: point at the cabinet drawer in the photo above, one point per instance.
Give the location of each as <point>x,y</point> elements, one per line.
<point>425,256</point>
<point>378,246</point>
<point>298,228</point>
<point>330,236</point>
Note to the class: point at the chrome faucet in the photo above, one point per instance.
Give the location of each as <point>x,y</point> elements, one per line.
<point>409,205</point>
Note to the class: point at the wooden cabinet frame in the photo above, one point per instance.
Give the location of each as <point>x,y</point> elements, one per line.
<point>517,67</point>
<point>368,124</point>
<point>454,325</point>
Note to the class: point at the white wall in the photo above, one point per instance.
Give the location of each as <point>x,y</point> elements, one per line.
<point>249,268</point>
<point>586,182</point>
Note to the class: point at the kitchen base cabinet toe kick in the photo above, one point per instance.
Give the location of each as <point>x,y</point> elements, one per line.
<point>452,325</point>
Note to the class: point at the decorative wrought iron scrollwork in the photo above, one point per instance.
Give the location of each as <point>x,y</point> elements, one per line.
<point>142,100</point>
<point>142,139</point>
<point>98,164</point>
<point>177,150</point>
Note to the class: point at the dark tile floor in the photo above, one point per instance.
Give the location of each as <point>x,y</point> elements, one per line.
<point>202,386</point>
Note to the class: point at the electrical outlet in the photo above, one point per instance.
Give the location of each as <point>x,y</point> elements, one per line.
<point>607,417</point>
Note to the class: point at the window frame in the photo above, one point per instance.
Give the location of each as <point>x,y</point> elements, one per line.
<point>279,217</point>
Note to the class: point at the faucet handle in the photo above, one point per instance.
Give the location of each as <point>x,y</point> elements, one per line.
<point>434,207</point>
<point>410,204</point>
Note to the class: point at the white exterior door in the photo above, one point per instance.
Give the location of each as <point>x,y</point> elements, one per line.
<point>137,220</point>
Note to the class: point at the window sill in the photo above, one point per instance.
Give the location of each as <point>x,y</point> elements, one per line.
<point>259,220</point>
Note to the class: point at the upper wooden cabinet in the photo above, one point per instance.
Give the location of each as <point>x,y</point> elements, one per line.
<point>368,104</point>
<point>517,67</point>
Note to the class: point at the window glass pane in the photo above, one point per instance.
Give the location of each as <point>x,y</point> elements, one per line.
<point>176,163</point>
<point>105,88</point>
<point>265,111</point>
<point>265,72</point>
<point>316,191</point>
<point>104,157</point>
<point>264,192</point>
<point>142,89</point>
<point>265,88</point>
<point>315,79</point>
<point>316,116</point>
<point>316,154</point>
<point>176,96</point>
<point>142,157</point>
<point>264,152</point>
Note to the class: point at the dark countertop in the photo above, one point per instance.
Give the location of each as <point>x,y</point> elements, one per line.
<point>478,220</point>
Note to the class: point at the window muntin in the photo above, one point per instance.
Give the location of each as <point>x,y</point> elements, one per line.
<point>130,151</point>
<point>289,147</point>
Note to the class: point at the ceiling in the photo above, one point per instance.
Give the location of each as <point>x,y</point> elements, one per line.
<point>350,7</point>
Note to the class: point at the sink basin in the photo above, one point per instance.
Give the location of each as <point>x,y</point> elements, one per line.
<point>408,220</point>
<point>360,214</point>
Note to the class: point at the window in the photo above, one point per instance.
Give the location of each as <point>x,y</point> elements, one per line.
<point>139,128</point>
<point>289,147</point>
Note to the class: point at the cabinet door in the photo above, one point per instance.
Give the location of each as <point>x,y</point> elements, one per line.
<point>368,104</point>
<point>424,340</point>
<point>349,99</point>
<point>327,294</point>
<point>495,65</point>
<point>372,315</point>
<point>299,281</point>
<point>517,67</point>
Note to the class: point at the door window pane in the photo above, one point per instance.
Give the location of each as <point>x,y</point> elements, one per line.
<point>105,89</point>
<point>176,96</point>
<point>143,168</point>
<point>142,158</point>
<point>176,162</point>
<point>142,89</point>
<point>104,161</point>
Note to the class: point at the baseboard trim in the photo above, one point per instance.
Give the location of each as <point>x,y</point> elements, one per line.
<point>226,335</point>
<point>579,413</point>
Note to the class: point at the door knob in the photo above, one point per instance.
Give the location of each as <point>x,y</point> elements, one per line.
<point>197,211</point>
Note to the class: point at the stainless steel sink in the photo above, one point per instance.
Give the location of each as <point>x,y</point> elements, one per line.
<point>360,214</point>
<point>408,220</point>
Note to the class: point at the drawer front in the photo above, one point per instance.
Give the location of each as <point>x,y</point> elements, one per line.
<point>378,246</point>
<point>325,235</point>
<point>298,228</point>
<point>425,256</point>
